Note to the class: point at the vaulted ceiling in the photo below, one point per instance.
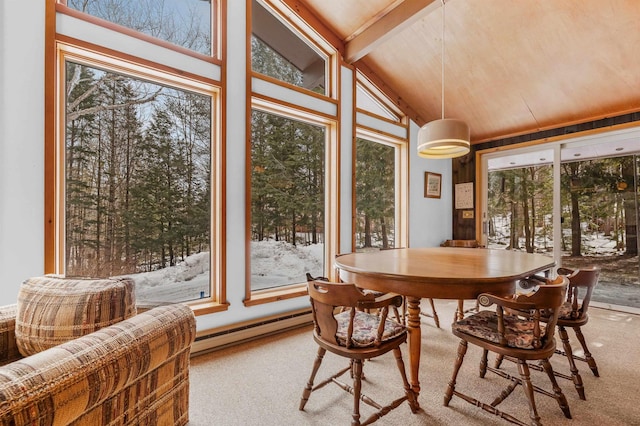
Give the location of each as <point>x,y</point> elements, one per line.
<point>511,67</point>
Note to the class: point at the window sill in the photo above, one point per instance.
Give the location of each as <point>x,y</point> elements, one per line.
<point>274,295</point>
<point>208,307</point>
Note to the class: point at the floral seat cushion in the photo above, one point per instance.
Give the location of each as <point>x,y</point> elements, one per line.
<point>566,312</point>
<point>365,328</point>
<point>484,325</point>
<point>375,293</point>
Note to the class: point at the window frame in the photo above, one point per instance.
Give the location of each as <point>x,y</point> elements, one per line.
<point>59,49</point>
<point>275,96</point>
<point>257,297</point>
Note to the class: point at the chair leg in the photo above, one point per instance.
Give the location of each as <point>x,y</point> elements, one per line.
<point>483,363</point>
<point>575,374</point>
<point>499,360</point>
<point>459,313</point>
<point>357,387</point>
<point>435,313</point>
<point>558,395</point>
<point>523,369</point>
<point>587,354</point>
<point>308,389</point>
<point>462,350</point>
<point>411,396</point>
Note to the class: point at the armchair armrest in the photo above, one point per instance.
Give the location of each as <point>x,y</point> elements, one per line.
<point>75,378</point>
<point>8,347</point>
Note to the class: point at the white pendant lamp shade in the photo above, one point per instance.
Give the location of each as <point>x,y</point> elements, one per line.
<point>445,138</point>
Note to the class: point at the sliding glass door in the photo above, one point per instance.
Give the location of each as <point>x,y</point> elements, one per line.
<point>575,200</point>
<point>599,226</point>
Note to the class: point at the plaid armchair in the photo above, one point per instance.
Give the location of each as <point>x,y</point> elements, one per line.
<point>134,371</point>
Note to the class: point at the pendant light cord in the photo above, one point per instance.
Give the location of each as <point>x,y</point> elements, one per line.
<point>442,61</point>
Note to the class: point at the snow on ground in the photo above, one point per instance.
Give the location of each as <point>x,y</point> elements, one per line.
<point>277,263</point>
<point>273,263</point>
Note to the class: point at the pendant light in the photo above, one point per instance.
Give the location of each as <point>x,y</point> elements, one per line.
<point>447,137</point>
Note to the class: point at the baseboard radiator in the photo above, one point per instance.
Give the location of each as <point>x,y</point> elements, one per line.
<point>232,336</point>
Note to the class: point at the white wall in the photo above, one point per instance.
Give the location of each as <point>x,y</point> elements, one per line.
<point>430,219</point>
<point>21,144</point>
<point>22,159</point>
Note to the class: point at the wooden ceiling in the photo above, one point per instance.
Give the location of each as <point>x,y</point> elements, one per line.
<point>511,67</point>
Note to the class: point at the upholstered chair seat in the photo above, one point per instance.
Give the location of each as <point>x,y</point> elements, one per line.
<point>518,332</point>
<point>365,326</point>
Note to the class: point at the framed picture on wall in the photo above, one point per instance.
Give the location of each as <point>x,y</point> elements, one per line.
<point>432,185</point>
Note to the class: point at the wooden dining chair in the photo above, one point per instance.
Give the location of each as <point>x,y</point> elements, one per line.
<point>460,311</point>
<point>524,338</point>
<point>400,313</point>
<point>574,314</point>
<point>357,335</point>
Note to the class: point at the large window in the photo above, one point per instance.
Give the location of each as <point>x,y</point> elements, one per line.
<point>292,210</point>
<point>137,183</point>
<point>136,157</point>
<point>381,170</point>
<point>287,200</point>
<point>185,23</point>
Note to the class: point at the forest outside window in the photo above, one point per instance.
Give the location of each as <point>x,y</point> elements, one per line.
<point>287,200</point>
<point>138,182</point>
<point>184,23</point>
<point>375,186</point>
<point>278,52</point>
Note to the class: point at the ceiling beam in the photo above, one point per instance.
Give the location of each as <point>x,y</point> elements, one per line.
<point>388,25</point>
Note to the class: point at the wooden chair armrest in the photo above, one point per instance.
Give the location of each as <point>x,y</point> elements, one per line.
<point>565,271</point>
<point>386,299</point>
<point>488,299</point>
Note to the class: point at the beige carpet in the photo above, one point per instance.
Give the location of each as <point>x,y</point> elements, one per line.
<point>260,382</point>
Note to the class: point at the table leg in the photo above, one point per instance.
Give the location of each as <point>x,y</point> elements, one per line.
<point>415,337</point>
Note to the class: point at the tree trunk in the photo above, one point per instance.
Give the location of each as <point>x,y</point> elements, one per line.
<point>630,227</point>
<point>367,231</point>
<point>526,219</point>
<point>385,238</point>
<point>576,230</point>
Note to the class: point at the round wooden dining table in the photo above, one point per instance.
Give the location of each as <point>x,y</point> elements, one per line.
<point>438,273</point>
